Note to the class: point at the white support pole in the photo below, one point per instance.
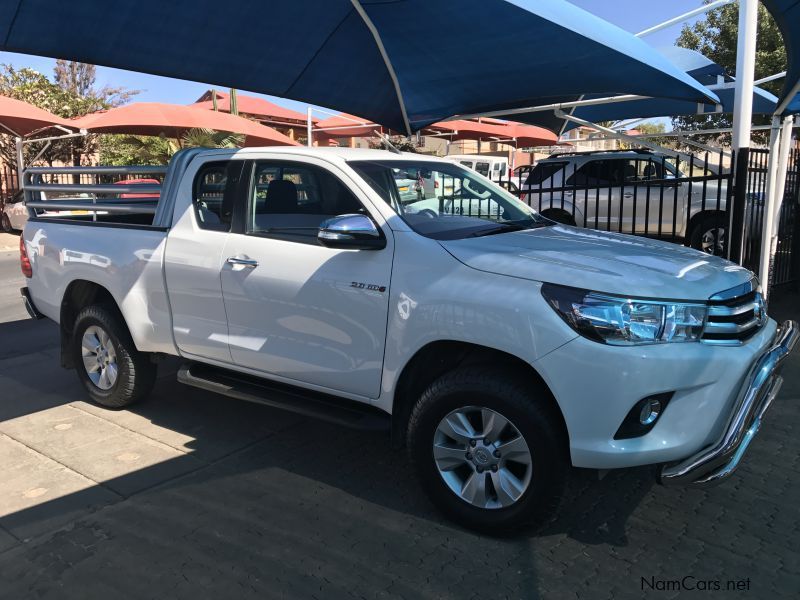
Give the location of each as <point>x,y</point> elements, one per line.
<point>309,128</point>
<point>771,243</point>
<point>764,274</point>
<point>616,134</point>
<point>783,165</point>
<point>745,69</point>
<point>742,122</point>
<point>684,17</point>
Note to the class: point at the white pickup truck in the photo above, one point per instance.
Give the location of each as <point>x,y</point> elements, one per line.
<point>500,347</point>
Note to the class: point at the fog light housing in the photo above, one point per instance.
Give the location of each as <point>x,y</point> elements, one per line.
<point>651,410</point>
<point>643,416</point>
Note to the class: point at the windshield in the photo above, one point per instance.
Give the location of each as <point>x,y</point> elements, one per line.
<point>446,201</point>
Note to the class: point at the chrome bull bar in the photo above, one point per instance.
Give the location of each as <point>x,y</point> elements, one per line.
<point>763,382</point>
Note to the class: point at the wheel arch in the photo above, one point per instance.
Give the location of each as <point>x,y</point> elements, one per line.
<point>437,358</point>
<point>698,217</point>
<point>79,294</point>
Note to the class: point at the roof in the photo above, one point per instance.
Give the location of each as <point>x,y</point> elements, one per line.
<point>336,154</point>
<point>251,105</point>
<point>603,154</point>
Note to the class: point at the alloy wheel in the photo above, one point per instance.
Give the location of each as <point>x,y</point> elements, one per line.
<point>713,241</point>
<point>99,357</point>
<point>482,457</point>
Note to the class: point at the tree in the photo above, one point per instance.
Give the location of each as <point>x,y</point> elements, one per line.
<point>715,36</point>
<point>78,80</point>
<point>400,142</point>
<point>72,94</point>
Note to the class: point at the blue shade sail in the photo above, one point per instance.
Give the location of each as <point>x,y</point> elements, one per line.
<point>404,64</point>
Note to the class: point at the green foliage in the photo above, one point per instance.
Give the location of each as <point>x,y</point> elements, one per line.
<point>715,36</point>
<point>134,150</point>
<point>208,138</point>
<point>152,150</point>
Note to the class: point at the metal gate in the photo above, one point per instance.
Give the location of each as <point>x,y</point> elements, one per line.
<point>683,199</point>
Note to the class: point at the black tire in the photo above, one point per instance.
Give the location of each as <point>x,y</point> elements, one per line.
<point>528,406</point>
<point>704,225</point>
<point>136,373</point>
<point>559,216</point>
<point>6,222</point>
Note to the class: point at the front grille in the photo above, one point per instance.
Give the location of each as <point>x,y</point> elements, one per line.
<point>734,320</point>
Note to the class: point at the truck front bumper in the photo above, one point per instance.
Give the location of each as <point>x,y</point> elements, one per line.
<point>718,461</point>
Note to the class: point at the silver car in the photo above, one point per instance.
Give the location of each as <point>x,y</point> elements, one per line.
<point>632,192</point>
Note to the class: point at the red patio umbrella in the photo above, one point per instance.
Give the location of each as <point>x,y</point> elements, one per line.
<point>344,125</point>
<point>258,107</point>
<point>173,120</point>
<point>517,134</point>
<point>20,118</point>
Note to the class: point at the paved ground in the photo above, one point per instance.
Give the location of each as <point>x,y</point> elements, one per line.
<point>11,279</point>
<point>191,495</point>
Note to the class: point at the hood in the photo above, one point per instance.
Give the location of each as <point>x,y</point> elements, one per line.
<point>600,261</point>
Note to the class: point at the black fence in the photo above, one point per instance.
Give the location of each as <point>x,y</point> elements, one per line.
<point>682,198</point>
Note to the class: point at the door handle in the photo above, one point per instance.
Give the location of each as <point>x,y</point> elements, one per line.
<point>628,195</point>
<point>248,263</point>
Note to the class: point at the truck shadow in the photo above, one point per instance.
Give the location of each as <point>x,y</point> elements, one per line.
<point>222,439</point>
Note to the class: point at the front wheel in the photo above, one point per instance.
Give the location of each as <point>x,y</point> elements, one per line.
<point>113,371</point>
<point>708,235</point>
<point>489,449</point>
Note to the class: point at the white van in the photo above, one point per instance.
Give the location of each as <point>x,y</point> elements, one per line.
<point>493,167</point>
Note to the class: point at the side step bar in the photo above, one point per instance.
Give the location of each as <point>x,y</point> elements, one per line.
<point>329,408</point>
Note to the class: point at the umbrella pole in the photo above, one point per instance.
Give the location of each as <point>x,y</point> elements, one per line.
<point>20,160</point>
<point>309,128</point>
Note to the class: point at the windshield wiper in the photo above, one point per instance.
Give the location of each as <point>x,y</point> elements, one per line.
<point>506,228</point>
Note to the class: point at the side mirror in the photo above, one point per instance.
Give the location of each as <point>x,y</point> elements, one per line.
<point>357,232</point>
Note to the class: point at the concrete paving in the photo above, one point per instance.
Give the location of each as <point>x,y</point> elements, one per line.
<point>11,277</point>
<point>191,495</point>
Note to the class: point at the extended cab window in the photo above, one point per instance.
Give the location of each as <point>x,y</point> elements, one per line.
<point>214,194</point>
<point>291,200</point>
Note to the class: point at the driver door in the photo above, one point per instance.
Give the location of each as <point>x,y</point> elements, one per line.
<point>297,310</point>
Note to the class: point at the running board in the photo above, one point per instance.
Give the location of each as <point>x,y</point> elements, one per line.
<point>309,403</point>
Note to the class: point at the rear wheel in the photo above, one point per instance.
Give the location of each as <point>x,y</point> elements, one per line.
<point>113,371</point>
<point>489,450</point>
<point>708,235</point>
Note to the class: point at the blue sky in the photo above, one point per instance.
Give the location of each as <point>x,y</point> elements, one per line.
<point>633,15</point>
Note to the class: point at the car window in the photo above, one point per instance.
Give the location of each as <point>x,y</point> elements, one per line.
<point>543,171</point>
<point>214,194</point>
<point>599,172</point>
<point>290,200</point>
<point>467,163</point>
<point>643,170</point>
<point>482,168</point>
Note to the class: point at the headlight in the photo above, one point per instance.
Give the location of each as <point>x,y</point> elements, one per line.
<point>626,321</point>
